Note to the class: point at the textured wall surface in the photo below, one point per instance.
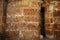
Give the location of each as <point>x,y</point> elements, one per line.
<point>1,14</point>
<point>52,19</point>
<point>23,19</point>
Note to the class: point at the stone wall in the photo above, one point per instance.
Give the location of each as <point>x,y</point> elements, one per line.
<point>23,18</point>
<point>52,17</point>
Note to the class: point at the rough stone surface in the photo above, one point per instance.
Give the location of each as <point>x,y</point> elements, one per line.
<point>23,16</point>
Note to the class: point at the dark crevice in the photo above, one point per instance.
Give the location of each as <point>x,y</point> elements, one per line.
<point>43,20</point>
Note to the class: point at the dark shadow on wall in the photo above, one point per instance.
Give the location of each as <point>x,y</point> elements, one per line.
<point>43,20</point>
<point>3,35</point>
